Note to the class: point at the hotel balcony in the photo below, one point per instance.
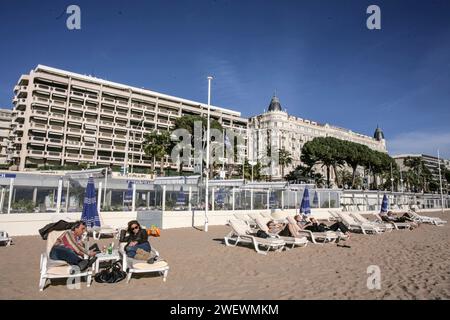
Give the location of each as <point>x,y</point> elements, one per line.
<point>120,137</point>
<point>37,140</point>
<point>36,153</point>
<point>87,157</point>
<point>89,145</point>
<point>91,109</point>
<point>106,135</point>
<point>106,111</point>
<point>106,123</point>
<point>75,118</point>
<point>76,106</point>
<point>59,104</point>
<point>58,115</point>
<point>72,156</point>
<point>103,158</point>
<point>53,141</point>
<point>93,121</point>
<point>39,113</point>
<point>105,146</point>
<point>55,128</point>
<point>74,131</point>
<point>41,100</point>
<point>37,126</point>
<point>54,154</point>
<point>73,143</point>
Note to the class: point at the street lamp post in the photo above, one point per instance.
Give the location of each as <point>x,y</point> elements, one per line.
<point>207,156</point>
<point>440,182</point>
<point>252,163</point>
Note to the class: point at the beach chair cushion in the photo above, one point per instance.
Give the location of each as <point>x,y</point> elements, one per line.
<point>142,265</point>
<point>56,263</point>
<point>60,270</point>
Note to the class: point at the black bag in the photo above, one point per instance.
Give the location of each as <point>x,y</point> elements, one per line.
<point>112,274</point>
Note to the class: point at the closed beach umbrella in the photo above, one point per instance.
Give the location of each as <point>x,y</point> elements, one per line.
<point>181,198</point>
<point>305,206</point>
<point>316,199</point>
<point>384,204</point>
<point>272,199</point>
<point>129,193</point>
<point>90,213</point>
<point>220,198</point>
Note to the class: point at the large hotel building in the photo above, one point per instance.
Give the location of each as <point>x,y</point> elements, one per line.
<point>64,118</point>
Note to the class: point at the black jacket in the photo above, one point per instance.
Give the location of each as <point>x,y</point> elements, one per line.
<point>55,226</point>
<point>140,237</point>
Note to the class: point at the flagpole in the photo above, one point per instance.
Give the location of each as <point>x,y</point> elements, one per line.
<point>440,181</point>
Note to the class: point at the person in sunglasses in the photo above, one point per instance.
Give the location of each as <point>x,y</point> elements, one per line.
<point>137,246</point>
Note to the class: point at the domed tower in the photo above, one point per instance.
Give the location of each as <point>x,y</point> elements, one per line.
<point>275,104</point>
<point>378,135</point>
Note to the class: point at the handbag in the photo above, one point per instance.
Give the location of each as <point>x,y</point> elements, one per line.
<point>154,231</point>
<point>112,274</point>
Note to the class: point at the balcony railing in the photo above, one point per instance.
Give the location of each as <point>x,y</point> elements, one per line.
<point>73,142</point>
<point>54,154</point>
<point>36,152</point>
<point>105,146</point>
<point>54,141</point>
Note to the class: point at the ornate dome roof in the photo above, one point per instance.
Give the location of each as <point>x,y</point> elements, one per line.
<point>378,135</point>
<point>275,104</point>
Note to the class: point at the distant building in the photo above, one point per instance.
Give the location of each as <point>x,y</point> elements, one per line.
<point>6,116</point>
<point>430,162</point>
<point>291,133</point>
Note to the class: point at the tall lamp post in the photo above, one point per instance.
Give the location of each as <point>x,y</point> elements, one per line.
<point>207,157</point>
<point>440,182</point>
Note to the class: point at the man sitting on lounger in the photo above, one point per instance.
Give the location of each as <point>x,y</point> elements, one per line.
<point>392,217</point>
<point>69,247</point>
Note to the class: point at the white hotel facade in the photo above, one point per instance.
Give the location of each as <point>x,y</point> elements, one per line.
<point>65,118</point>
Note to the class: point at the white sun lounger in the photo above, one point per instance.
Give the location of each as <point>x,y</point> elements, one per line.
<point>290,241</point>
<point>131,265</point>
<point>424,219</point>
<point>4,238</point>
<point>354,225</point>
<point>57,269</point>
<point>381,224</point>
<point>104,229</point>
<point>242,233</point>
<point>318,237</point>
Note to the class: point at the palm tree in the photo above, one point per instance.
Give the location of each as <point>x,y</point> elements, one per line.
<point>285,159</point>
<point>157,145</point>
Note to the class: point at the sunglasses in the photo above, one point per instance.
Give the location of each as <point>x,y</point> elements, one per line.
<point>135,228</point>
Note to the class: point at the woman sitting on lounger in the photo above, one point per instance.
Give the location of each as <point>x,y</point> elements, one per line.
<point>137,246</point>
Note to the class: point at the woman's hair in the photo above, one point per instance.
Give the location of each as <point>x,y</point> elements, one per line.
<point>131,223</point>
<point>77,224</point>
<point>269,223</point>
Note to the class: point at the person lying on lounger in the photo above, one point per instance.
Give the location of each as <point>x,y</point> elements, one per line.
<point>314,226</point>
<point>392,217</point>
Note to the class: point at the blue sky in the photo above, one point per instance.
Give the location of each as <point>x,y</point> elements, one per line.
<point>318,55</point>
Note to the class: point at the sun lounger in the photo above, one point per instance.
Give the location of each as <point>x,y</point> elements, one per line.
<point>57,269</point>
<point>131,265</point>
<point>244,217</point>
<point>4,238</point>
<point>242,233</point>
<point>383,225</point>
<point>104,229</point>
<point>354,225</point>
<point>317,237</point>
<point>290,241</point>
<point>424,219</point>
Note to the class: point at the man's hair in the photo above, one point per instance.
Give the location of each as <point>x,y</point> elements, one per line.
<point>77,224</point>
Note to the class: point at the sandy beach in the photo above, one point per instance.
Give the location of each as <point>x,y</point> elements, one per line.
<point>414,265</point>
